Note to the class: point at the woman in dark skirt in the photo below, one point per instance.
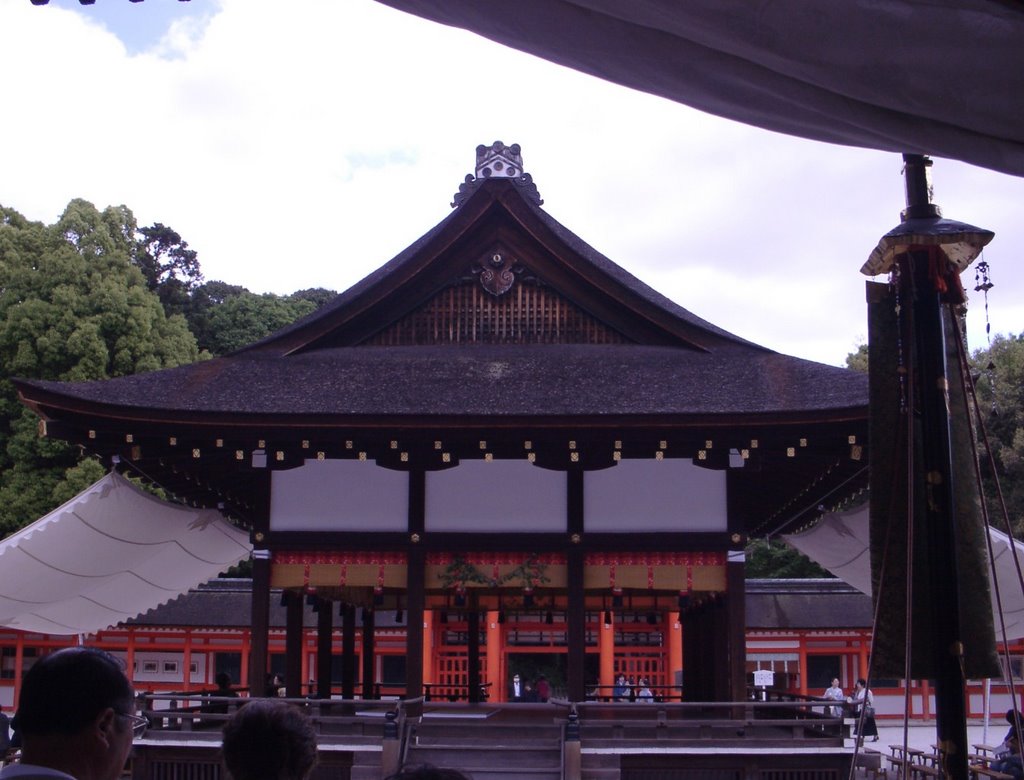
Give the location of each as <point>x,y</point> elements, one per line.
<point>863,700</point>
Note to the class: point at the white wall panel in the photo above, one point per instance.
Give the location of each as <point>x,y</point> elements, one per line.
<point>339,495</point>
<point>506,496</point>
<point>654,495</point>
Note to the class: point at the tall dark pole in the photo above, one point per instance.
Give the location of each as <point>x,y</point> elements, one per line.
<point>918,273</point>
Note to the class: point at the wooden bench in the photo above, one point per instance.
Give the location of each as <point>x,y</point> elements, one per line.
<point>986,750</point>
<point>979,771</point>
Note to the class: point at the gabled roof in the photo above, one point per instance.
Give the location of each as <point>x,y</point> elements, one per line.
<point>550,329</point>
<point>500,214</point>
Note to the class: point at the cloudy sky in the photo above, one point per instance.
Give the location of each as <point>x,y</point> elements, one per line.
<point>303,144</point>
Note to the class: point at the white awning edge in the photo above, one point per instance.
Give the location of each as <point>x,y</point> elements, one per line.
<point>840,543</point>
<point>111,553</point>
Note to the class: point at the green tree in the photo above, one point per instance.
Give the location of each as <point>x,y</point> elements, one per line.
<point>73,306</point>
<point>768,559</point>
<point>318,296</point>
<point>170,267</point>
<point>858,361</point>
<point>246,318</point>
<point>1000,385</point>
<point>225,317</point>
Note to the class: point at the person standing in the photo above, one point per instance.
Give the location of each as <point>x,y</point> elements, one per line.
<point>864,709</point>
<point>5,733</point>
<point>834,693</point>
<point>621,689</point>
<point>516,690</point>
<point>75,718</point>
<point>543,688</point>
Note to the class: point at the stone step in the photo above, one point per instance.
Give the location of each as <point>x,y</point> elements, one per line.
<point>600,766</point>
<point>491,762</point>
<point>521,734</point>
<point>516,755</point>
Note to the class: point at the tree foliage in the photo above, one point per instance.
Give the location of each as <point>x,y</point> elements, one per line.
<point>770,559</point>
<point>95,296</point>
<point>1000,386</point>
<point>73,306</point>
<point>858,361</point>
<point>226,318</point>
<point>170,267</point>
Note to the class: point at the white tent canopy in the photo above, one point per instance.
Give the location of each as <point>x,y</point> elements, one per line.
<point>943,77</point>
<point>839,542</point>
<point>109,554</point>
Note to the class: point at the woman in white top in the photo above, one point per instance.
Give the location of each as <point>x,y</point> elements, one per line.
<point>644,693</point>
<point>834,693</point>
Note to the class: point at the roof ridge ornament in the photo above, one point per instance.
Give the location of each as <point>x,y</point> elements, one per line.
<point>498,161</point>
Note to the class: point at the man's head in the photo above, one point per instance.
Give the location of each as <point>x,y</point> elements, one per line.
<point>63,692</point>
<point>269,740</point>
<point>75,714</point>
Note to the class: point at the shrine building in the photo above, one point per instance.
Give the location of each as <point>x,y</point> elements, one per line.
<point>503,445</point>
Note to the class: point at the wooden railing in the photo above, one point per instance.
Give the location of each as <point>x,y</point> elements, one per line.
<point>184,740</point>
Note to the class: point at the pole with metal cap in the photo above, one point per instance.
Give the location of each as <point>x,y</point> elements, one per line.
<point>929,253</point>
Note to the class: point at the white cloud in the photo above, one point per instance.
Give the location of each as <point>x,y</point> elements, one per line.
<point>305,145</point>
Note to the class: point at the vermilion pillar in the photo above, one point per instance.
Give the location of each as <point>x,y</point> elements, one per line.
<point>675,648</point>
<point>493,674</point>
<point>606,648</point>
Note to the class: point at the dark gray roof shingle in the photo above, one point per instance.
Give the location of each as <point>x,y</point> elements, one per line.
<point>537,381</point>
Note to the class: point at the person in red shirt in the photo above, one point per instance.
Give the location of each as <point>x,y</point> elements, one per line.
<point>543,688</point>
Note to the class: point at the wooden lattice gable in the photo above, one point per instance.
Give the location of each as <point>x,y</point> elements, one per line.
<point>499,270</point>
<point>498,301</point>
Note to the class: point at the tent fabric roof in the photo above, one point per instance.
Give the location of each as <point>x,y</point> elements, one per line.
<point>942,77</point>
<point>840,544</point>
<point>109,554</point>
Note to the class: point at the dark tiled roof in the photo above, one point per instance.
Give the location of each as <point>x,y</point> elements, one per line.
<point>537,381</point>
<point>593,262</point>
<point>818,604</point>
<point>770,604</point>
<point>227,603</point>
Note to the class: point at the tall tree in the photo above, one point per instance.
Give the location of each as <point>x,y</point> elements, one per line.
<point>73,306</point>
<point>225,317</point>
<point>246,318</point>
<point>1000,383</point>
<point>170,267</point>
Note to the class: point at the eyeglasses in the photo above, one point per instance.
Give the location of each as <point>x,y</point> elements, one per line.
<point>138,723</point>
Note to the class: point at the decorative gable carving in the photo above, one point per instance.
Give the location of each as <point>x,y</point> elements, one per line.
<point>497,271</point>
<point>529,312</point>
